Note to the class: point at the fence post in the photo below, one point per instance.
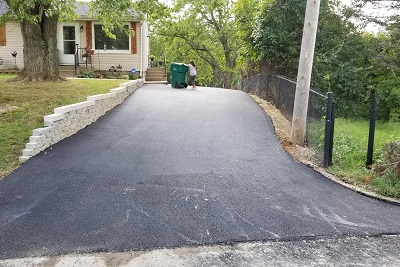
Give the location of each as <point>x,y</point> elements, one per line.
<point>332,134</point>
<point>371,135</point>
<point>328,130</point>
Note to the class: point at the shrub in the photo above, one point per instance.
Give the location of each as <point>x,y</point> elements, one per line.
<point>123,77</point>
<point>88,74</point>
<point>390,162</point>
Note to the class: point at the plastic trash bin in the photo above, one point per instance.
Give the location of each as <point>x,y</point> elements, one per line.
<point>178,73</point>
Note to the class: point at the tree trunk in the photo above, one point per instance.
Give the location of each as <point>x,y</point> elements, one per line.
<point>41,57</point>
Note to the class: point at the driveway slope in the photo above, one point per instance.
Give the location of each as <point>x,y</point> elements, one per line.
<point>175,168</point>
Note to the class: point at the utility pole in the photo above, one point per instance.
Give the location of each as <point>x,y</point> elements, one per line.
<point>304,72</point>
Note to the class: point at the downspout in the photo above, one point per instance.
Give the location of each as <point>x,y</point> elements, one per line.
<point>141,49</point>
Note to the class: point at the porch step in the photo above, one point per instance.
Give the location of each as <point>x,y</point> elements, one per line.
<point>156,75</point>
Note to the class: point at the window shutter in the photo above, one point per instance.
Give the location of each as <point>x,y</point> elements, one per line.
<point>134,39</point>
<point>89,34</point>
<point>3,35</point>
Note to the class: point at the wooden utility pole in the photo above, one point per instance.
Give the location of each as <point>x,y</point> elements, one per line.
<point>304,72</point>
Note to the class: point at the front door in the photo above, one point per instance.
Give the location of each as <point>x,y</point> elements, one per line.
<point>68,41</point>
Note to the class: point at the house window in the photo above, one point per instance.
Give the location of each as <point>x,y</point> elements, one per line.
<point>102,41</point>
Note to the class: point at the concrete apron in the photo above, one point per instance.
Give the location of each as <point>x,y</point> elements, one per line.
<point>344,251</point>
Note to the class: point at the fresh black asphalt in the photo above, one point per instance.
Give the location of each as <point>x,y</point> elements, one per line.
<point>172,168</point>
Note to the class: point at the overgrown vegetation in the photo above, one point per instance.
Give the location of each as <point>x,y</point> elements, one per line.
<point>350,153</point>
<point>24,105</point>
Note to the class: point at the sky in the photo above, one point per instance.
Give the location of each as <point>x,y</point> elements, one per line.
<point>369,10</point>
<point>372,11</point>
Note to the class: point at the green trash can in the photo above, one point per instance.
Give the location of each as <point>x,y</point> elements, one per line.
<point>178,73</point>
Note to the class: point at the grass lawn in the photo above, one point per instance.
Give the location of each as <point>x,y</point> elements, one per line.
<point>22,107</point>
<point>350,154</point>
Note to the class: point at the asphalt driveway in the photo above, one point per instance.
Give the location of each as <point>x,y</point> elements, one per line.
<point>174,168</point>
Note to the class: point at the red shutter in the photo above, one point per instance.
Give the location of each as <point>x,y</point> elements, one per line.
<point>134,39</point>
<point>89,34</point>
<point>3,35</point>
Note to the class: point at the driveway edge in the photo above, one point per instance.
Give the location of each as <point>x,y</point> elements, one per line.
<point>266,106</point>
<point>68,120</point>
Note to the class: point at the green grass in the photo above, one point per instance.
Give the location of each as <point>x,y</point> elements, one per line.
<point>28,103</point>
<point>350,153</point>
<point>387,185</point>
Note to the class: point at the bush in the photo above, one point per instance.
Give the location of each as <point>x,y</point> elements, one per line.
<point>88,74</point>
<point>390,160</point>
<point>132,76</point>
<point>123,77</point>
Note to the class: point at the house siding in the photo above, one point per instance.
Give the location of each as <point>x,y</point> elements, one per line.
<point>103,60</point>
<point>14,42</point>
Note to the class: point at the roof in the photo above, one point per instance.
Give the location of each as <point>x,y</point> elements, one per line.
<point>81,9</point>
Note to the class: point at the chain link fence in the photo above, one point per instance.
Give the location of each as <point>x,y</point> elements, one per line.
<point>280,92</point>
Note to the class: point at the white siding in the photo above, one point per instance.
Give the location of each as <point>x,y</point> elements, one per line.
<point>14,42</point>
<point>103,60</point>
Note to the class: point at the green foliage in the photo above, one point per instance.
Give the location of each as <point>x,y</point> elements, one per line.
<point>34,10</point>
<point>277,36</point>
<point>87,75</point>
<point>246,13</point>
<point>123,77</point>
<point>350,152</point>
<point>203,31</point>
<point>347,62</point>
<point>389,164</point>
<point>387,185</point>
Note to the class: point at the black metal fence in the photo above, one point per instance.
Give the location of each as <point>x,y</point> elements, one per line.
<point>280,91</point>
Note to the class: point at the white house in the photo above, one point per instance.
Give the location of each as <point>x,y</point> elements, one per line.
<point>124,53</point>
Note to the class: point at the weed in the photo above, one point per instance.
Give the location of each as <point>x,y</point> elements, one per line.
<point>387,185</point>
<point>389,164</point>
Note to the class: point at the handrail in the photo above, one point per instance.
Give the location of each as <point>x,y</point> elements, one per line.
<point>165,65</point>
<point>76,59</point>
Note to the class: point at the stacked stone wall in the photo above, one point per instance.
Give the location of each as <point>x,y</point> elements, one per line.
<point>68,120</point>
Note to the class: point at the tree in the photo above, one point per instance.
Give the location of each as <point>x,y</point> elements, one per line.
<point>38,20</point>
<point>207,27</point>
<point>246,14</point>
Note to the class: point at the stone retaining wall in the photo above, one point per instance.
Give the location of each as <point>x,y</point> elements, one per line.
<point>68,120</point>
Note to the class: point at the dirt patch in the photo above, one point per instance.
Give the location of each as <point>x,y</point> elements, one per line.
<point>6,107</point>
<point>283,128</point>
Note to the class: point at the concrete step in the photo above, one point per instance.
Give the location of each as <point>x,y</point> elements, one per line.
<point>156,82</point>
<point>155,72</point>
<point>153,76</point>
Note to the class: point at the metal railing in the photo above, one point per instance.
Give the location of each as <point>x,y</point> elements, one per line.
<point>82,56</point>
